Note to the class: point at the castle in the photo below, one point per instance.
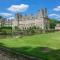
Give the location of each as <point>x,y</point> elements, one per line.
<point>25,21</point>
<point>39,20</point>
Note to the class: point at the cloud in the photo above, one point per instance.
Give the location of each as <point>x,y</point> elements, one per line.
<point>56,16</point>
<point>11,18</point>
<point>18,8</point>
<point>57,8</point>
<point>51,15</point>
<point>6,14</point>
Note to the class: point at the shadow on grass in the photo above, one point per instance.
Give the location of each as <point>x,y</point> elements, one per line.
<point>5,36</point>
<point>44,53</point>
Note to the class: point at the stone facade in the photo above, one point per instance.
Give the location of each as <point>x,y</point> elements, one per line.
<point>38,20</point>
<point>57,27</point>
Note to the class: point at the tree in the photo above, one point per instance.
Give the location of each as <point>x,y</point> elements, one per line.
<point>2,21</point>
<point>31,30</point>
<point>53,23</point>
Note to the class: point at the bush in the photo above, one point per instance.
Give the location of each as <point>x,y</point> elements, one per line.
<point>33,30</point>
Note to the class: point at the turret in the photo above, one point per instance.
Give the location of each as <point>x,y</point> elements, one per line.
<point>18,18</point>
<point>45,13</point>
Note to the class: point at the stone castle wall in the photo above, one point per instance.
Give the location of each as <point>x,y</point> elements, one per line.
<point>40,20</point>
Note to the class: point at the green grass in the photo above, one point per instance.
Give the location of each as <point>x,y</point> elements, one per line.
<point>45,46</point>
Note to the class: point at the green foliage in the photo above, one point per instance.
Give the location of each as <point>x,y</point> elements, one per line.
<point>2,21</point>
<point>31,30</point>
<point>9,27</point>
<point>1,17</point>
<point>17,29</point>
<point>5,30</point>
<point>53,23</point>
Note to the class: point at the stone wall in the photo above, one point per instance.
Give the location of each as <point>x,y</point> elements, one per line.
<point>38,20</point>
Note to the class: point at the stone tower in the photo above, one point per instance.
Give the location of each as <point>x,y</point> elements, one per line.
<point>44,19</point>
<point>18,18</point>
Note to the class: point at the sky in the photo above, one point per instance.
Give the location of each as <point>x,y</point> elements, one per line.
<point>8,8</point>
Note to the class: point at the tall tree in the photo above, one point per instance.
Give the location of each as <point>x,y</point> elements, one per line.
<point>2,21</point>
<point>53,23</point>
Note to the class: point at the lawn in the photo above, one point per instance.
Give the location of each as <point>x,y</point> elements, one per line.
<point>44,46</point>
